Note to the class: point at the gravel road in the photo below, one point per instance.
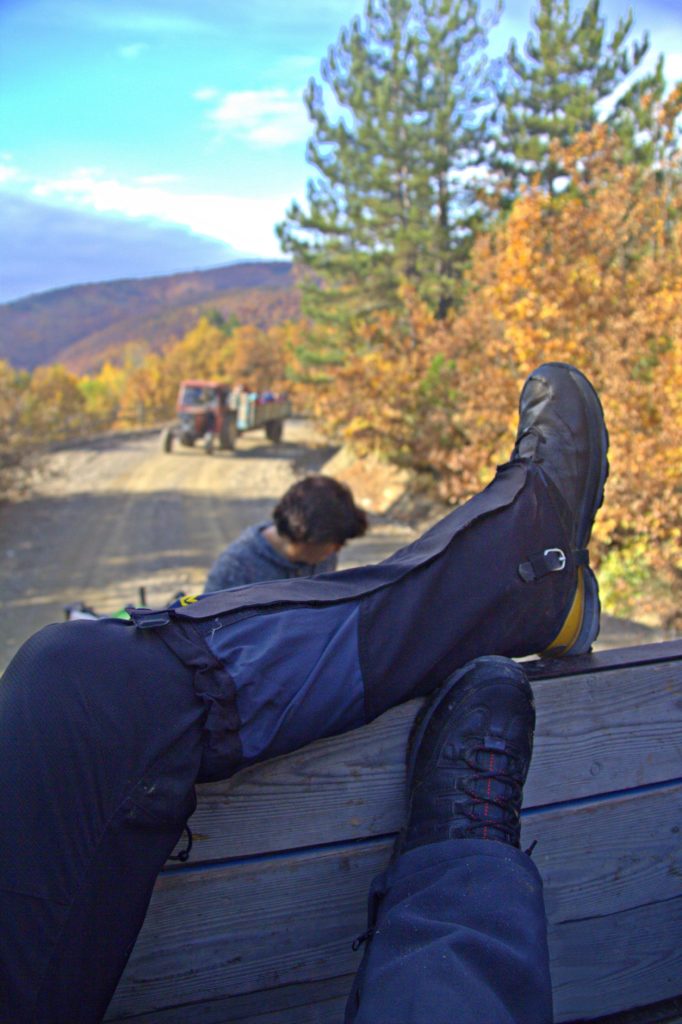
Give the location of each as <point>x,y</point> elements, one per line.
<point>115,514</point>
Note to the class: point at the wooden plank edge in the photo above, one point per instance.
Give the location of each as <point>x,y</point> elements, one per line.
<point>348,843</point>
<point>601,661</point>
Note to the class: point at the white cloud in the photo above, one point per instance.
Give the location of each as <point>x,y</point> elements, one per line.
<point>8,173</point>
<point>203,95</point>
<point>673,67</point>
<point>136,17</point>
<point>156,179</point>
<point>132,51</point>
<point>152,23</point>
<point>133,18</point>
<point>243,222</point>
<point>269,117</point>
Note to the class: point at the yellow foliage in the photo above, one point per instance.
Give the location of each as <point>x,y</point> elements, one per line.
<point>145,387</point>
<point>52,405</point>
<point>592,277</point>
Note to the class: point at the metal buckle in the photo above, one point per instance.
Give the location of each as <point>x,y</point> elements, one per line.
<point>561,558</point>
<point>146,619</point>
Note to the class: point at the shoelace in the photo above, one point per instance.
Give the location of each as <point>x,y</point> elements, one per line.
<point>509,802</point>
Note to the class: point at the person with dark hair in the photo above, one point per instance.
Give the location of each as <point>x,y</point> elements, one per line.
<point>106,726</point>
<point>310,524</point>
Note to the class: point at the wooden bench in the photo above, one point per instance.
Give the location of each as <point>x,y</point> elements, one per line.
<point>258,926</point>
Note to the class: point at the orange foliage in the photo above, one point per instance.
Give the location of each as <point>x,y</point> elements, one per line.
<point>146,386</point>
<point>592,277</point>
<point>595,278</point>
<point>257,358</point>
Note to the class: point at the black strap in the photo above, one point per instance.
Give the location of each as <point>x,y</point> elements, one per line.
<point>541,563</point>
<point>582,557</point>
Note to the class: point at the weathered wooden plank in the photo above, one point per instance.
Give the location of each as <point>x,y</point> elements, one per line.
<point>604,732</point>
<point>250,926</point>
<point>666,1011</point>
<point>604,856</point>
<point>320,1002</point>
<point>263,922</point>
<point>640,960</point>
<point>633,970</point>
<point>596,732</point>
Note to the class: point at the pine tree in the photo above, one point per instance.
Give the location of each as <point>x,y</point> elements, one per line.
<point>554,89</point>
<point>392,201</point>
<point>643,137</point>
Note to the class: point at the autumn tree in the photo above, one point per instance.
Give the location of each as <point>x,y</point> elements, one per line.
<point>52,405</point>
<point>146,385</point>
<point>557,86</point>
<point>393,200</point>
<point>201,353</point>
<point>102,394</point>
<point>14,450</point>
<point>424,394</point>
<point>593,277</point>
<point>258,357</point>
<point>147,393</point>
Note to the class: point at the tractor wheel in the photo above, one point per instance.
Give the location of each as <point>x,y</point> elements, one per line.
<point>229,433</point>
<point>167,440</point>
<point>273,430</point>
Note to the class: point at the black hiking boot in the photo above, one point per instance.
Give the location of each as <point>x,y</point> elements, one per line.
<point>562,429</point>
<point>469,755</point>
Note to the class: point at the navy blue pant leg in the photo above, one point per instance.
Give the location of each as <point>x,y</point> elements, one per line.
<point>100,745</point>
<point>460,937</point>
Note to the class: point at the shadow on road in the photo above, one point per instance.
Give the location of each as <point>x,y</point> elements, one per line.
<point>101,548</point>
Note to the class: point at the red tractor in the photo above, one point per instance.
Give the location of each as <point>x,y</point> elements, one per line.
<point>217,413</point>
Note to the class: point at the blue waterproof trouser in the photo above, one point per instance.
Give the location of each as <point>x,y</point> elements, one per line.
<point>106,726</point>
<point>457,936</point>
<point>101,742</point>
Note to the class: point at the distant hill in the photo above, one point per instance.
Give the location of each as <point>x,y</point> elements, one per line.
<point>83,325</point>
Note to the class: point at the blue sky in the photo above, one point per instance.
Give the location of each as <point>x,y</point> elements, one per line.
<point>150,136</point>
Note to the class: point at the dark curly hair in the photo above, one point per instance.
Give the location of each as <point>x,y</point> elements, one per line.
<point>319,510</point>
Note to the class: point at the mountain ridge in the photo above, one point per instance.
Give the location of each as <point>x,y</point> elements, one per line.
<point>82,325</point>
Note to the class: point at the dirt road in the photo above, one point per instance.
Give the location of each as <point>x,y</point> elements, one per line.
<point>116,514</point>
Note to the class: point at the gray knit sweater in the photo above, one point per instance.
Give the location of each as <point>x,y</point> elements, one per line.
<point>251,559</point>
